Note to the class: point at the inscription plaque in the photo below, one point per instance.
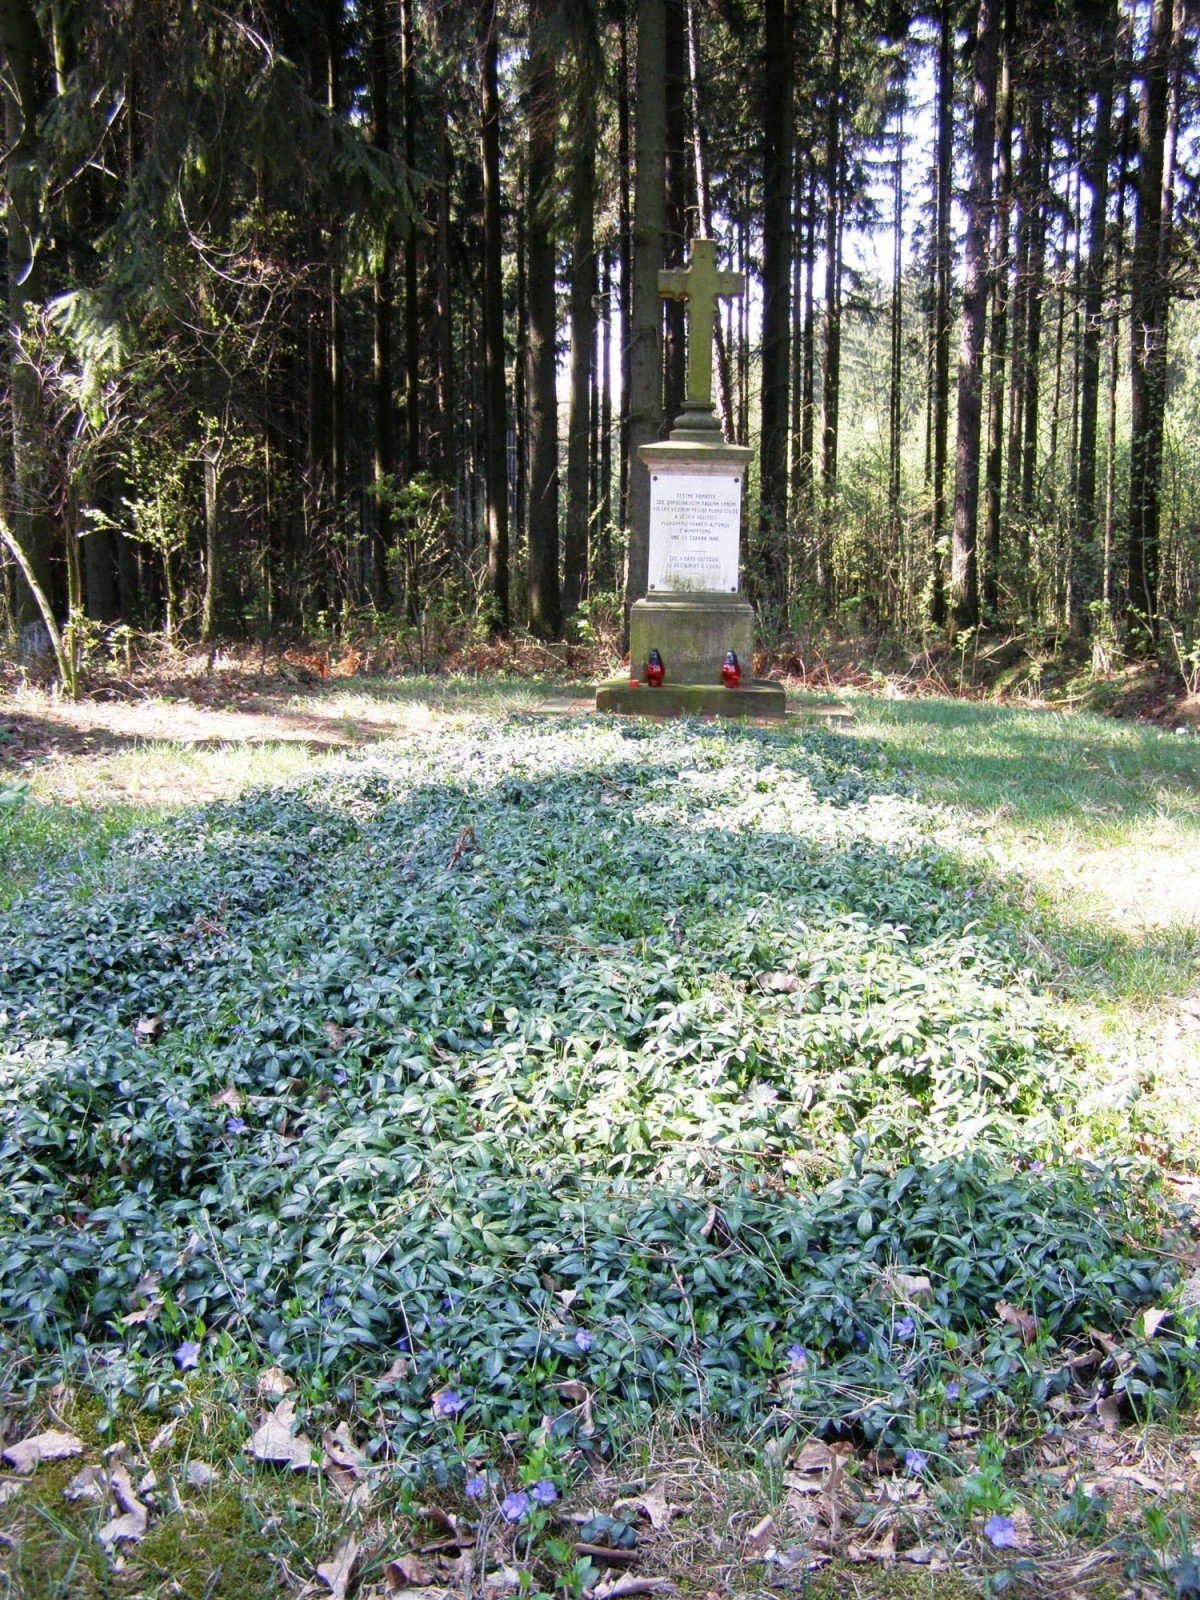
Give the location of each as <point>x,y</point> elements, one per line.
<point>695,532</point>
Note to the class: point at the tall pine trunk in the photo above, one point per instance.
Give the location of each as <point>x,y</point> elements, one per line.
<point>495,453</point>
<point>964,569</point>
<point>23,93</point>
<point>1085,565</point>
<point>1148,314</point>
<point>673,312</point>
<point>776,314</point>
<point>1000,286</point>
<point>649,221</point>
<point>412,310</point>
<point>704,204</point>
<point>833,269</point>
<point>545,599</point>
<point>941,310</point>
<point>625,256</point>
<point>583,332</point>
<point>382,347</point>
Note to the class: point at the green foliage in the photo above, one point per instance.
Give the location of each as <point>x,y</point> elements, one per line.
<point>635,1058</point>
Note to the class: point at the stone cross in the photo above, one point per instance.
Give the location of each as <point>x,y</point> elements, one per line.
<point>700,285</point>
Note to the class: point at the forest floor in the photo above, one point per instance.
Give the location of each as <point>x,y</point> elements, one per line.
<point>1055,853</point>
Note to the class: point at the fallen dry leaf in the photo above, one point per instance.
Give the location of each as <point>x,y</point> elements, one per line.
<point>759,1537</point>
<point>229,1097</point>
<point>627,1584</point>
<point>274,1440</point>
<point>8,1488</point>
<point>148,1029</point>
<point>90,1483</point>
<point>1152,1319</point>
<point>335,1034</point>
<point>1109,1412</point>
<point>653,1502</point>
<point>500,1581</point>
<point>341,1451</point>
<point>914,1288</point>
<point>199,1475</point>
<point>273,1382</point>
<point>146,1313</point>
<point>52,1445</point>
<point>1021,1321</point>
<point>406,1572</point>
<point>335,1574</point>
<point>396,1373</point>
<point>131,1524</point>
<point>880,1549</point>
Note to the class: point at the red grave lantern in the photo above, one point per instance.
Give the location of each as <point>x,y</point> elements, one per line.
<point>655,671</point>
<point>731,672</point>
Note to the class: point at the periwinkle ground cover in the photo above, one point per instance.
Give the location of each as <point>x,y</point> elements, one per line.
<point>649,1081</point>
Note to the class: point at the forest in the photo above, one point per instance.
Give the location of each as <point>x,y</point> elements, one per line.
<point>325,311</point>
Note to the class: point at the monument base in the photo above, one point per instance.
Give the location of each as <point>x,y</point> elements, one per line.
<point>756,698</point>
<point>692,633</point>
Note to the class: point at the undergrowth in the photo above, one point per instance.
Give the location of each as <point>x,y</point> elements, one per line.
<point>524,1078</point>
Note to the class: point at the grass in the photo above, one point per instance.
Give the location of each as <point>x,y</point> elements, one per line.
<point>1079,840</point>
<point>1092,828</point>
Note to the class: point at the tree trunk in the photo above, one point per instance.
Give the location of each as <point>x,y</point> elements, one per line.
<point>412,317</point>
<point>583,341</point>
<point>833,267</point>
<point>808,379</point>
<point>1148,312</point>
<point>677,230</point>
<point>1035,274</point>
<point>495,431</point>
<point>545,600</point>
<point>384,465</point>
<point>625,250</point>
<point>23,93</point>
<point>649,221</point>
<point>941,313</point>
<point>896,342</point>
<point>964,570</point>
<point>776,281</point>
<point>1000,283</point>
<point>210,613</point>
<point>444,453</point>
<point>704,201</point>
<point>604,573</point>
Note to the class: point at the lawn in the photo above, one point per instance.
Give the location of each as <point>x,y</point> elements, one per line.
<point>763,1147</point>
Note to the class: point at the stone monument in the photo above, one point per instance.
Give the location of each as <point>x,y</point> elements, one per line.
<point>693,612</point>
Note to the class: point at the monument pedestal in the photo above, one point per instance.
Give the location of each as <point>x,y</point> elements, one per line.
<point>693,614</point>
<point>692,632</point>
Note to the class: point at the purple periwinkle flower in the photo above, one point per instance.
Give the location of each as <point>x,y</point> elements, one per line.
<point>1001,1532</point>
<point>235,1125</point>
<point>915,1461</point>
<point>188,1355</point>
<point>798,1358</point>
<point>905,1328</point>
<point>447,1403</point>
<point>859,1336</point>
<point>953,1389</point>
<point>514,1506</point>
<point>340,1075</point>
<point>1037,1166</point>
<point>583,1339</point>
<point>475,1486</point>
<point>544,1493</point>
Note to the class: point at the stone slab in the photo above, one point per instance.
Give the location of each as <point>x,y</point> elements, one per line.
<point>695,532</point>
<point>692,634</point>
<point>757,698</point>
